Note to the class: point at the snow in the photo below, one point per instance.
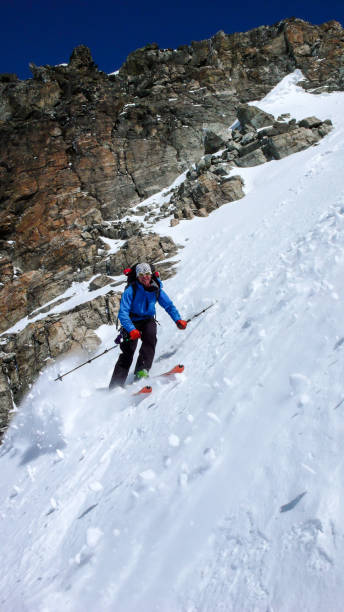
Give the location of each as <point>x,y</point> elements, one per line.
<point>173,440</point>
<point>222,489</point>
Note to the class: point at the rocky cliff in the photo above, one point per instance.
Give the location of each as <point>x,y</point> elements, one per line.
<point>80,149</point>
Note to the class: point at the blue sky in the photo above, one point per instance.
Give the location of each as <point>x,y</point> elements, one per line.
<point>46,31</point>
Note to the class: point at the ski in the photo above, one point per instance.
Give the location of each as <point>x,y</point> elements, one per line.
<point>178,369</point>
<point>144,391</point>
<point>147,389</point>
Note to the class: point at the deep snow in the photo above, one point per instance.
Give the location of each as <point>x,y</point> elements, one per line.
<point>222,490</point>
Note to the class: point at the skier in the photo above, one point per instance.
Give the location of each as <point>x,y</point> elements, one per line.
<point>137,317</point>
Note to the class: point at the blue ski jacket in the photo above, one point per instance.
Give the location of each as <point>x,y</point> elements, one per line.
<point>142,305</point>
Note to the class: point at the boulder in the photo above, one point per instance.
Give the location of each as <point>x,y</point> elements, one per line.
<point>220,171</point>
<point>310,122</point>
<point>254,158</point>
<point>255,144</point>
<point>232,188</point>
<point>249,137</point>
<point>150,247</point>
<point>210,191</point>
<point>297,140</point>
<point>100,281</point>
<point>203,164</point>
<point>252,116</point>
<point>213,142</point>
<point>325,128</point>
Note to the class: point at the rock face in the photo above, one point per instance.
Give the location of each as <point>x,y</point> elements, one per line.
<point>206,193</point>
<point>211,184</point>
<point>79,149</point>
<point>276,140</point>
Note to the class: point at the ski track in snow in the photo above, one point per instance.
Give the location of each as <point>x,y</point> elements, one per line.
<point>220,491</point>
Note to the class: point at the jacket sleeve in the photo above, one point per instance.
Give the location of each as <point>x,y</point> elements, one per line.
<point>125,308</point>
<point>168,305</point>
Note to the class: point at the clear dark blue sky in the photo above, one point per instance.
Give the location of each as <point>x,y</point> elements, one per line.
<point>46,31</point>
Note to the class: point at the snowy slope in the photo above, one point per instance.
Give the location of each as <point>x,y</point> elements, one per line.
<point>222,490</point>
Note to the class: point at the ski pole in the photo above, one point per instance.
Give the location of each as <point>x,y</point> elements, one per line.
<point>199,313</point>
<point>60,376</point>
<point>118,340</point>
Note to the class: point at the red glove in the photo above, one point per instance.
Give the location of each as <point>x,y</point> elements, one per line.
<point>181,324</point>
<point>135,334</point>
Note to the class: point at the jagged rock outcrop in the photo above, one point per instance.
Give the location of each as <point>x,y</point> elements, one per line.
<point>211,183</point>
<point>79,149</point>
<point>209,191</point>
<point>277,139</point>
<point>251,117</point>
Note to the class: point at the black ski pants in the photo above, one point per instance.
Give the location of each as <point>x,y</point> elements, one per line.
<point>147,327</point>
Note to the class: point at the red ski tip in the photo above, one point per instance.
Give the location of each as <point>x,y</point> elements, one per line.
<point>144,390</point>
<point>178,369</point>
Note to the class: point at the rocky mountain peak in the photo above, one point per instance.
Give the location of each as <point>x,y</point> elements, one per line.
<point>81,59</point>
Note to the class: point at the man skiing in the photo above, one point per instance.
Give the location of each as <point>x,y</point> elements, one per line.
<point>137,317</point>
